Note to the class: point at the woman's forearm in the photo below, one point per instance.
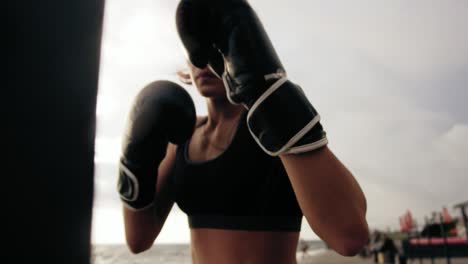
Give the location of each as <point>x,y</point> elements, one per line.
<point>330,198</point>
<point>142,227</point>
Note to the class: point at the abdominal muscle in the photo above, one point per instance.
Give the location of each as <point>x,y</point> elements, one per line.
<point>216,246</point>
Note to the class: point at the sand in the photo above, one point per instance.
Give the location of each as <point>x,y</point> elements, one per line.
<point>180,254</point>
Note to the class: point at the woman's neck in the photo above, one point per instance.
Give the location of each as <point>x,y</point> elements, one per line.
<point>221,111</point>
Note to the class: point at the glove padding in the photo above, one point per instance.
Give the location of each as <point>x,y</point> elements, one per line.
<point>162,112</point>
<point>280,118</point>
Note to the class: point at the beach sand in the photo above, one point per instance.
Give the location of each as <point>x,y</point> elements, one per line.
<point>329,257</point>
<point>180,254</point>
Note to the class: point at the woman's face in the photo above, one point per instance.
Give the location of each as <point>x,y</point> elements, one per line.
<point>206,82</point>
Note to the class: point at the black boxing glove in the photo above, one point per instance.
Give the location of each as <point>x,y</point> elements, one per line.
<point>194,25</point>
<point>162,112</point>
<point>281,119</point>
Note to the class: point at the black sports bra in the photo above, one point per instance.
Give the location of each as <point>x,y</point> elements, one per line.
<point>241,189</point>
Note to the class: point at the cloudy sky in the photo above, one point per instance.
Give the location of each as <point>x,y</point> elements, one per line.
<point>389,78</point>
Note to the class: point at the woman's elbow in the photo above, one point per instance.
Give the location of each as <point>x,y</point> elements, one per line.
<point>138,246</point>
<point>140,242</point>
<point>140,238</point>
<point>351,248</point>
<point>353,242</point>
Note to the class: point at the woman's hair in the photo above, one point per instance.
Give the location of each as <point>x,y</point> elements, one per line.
<point>184,76</point>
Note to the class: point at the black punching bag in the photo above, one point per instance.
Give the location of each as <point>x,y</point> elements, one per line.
<point>48,127</point>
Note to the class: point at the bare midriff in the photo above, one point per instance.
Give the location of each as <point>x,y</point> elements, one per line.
<point>216,246</point>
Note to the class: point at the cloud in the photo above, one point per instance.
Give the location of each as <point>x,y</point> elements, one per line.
<point>105,185</point>
<point>411,37</point>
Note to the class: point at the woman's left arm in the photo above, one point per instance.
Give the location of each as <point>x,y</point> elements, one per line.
<point>330,198</point>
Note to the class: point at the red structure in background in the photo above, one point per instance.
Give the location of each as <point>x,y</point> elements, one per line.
<point>447,218</point>
<point>407,222</point>
<point>438,238</point>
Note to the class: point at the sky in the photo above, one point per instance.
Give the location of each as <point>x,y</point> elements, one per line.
<point>389,79</point>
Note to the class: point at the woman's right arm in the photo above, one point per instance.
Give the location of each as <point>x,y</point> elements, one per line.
<point>143,227</point>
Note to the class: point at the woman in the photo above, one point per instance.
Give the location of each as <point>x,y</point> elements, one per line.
<point>246,206</point>
<point>326,192</point>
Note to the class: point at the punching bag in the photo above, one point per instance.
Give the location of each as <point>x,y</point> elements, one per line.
<point>48,129</point>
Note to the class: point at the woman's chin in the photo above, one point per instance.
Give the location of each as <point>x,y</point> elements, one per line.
<point>214,94</point>
<point>212,89</point>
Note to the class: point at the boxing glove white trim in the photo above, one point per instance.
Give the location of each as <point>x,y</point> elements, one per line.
<point>280,74</point>
<point>307,147</point>
<point>134,180</point>
<point>137,209</point>
<point>214,72</point>
<point>135,194</point>
<point>267,93</point>
<point>226,86</point>
<point>296,137</point>
<point>277,75</point>
<point>285,149</point>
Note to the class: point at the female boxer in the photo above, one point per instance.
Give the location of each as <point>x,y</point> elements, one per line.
<point>245,175</point>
